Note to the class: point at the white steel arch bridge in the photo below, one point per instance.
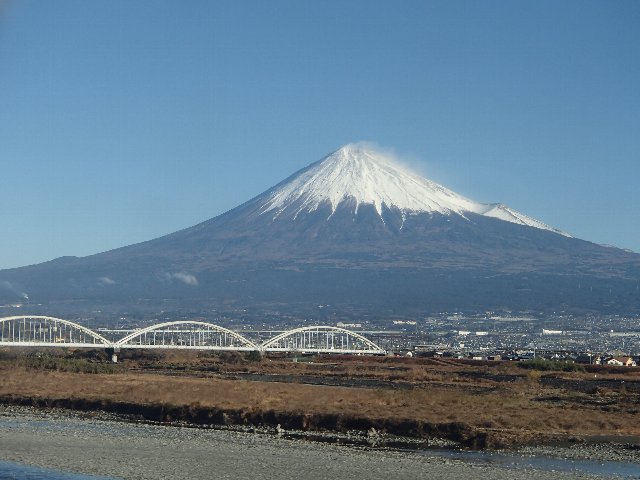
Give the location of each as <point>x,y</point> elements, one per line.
<point>186,334</point>
<point>44,331</point>
<point>322,339</point>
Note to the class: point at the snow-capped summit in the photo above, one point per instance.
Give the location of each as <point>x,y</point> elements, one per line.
<point>367,177</point>
<point>362,175</point>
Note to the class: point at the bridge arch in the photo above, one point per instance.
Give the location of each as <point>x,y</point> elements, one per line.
<point>321,339</point>
<point>187,334</point>
<point>43,331</point>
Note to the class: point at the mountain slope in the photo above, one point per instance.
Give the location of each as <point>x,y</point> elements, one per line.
<point>359,232</point>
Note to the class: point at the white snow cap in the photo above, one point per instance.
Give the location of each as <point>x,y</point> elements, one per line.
<point>359,173</point>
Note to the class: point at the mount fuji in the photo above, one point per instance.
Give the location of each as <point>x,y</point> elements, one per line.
<point>356,231</point>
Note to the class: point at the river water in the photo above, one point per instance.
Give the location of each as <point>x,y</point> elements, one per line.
<point>64,443</point>
<point>18,471</point>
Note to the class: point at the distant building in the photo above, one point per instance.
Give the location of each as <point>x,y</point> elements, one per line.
<point>404,322</point>
<point>622,361</point>
<point>551,332</point>
<point>348,325</point>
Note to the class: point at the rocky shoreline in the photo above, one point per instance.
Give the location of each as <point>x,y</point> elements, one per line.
<point>456,432</point>
<point>99,443</point>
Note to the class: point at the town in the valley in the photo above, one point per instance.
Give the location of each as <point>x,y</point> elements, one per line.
<point>488,336</point>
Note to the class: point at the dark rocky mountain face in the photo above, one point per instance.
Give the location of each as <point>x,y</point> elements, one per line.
<point>350,256</point>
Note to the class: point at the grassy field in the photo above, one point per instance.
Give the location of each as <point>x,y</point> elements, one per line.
<point>500,401</point>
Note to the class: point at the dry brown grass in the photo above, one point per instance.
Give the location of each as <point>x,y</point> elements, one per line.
<point>442,392</point>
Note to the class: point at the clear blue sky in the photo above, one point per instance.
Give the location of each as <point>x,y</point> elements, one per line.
<point>122,121</point>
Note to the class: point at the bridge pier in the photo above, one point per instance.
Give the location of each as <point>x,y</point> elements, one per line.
<point>113,351</point>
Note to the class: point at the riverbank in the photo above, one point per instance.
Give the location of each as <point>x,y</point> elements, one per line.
<point>476,406</point>
<point>97,444</point>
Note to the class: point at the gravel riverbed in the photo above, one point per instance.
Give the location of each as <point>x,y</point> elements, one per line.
<point>102,445</point>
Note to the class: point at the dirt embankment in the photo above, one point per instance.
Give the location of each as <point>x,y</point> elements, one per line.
<point>458,432</point>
